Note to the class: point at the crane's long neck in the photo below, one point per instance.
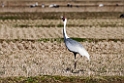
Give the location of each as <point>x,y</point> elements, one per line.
<point>64,30</point>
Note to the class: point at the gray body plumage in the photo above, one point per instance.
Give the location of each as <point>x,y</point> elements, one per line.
<point>73,45</point>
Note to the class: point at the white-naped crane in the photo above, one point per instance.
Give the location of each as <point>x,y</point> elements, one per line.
<point>34,5</point>
<point>72,45</point>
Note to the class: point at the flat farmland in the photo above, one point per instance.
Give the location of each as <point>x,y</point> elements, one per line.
<point>77,32</point>
<point>77,6</point>
<point>85,28</point>
<point>32,49</point>
<point>35,47</point>
<point>26,58</point>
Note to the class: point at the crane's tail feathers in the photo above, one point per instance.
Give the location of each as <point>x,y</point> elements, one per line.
<point>85,53</point>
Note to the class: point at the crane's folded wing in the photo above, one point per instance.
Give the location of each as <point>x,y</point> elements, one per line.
<point>73,45</point>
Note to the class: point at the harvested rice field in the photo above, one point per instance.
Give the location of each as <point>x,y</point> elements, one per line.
<point>32,48</point>
<point>26,58</point>
<point>37,29</point>
<point>35,47</point>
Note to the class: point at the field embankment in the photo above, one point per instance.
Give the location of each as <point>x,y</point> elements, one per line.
<point>57,15</point>
<point>64,79</point>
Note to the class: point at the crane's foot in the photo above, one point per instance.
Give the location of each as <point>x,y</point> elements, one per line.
<point>71,70</point>
<point>74,71</point>
<point>77,71</point>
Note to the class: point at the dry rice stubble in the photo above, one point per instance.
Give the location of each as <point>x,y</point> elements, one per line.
<point>52,58</point>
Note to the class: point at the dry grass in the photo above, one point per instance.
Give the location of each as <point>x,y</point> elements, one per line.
<point>84,6</point>
<point>26,58</point>
<point>41,57</point>
<point>58,23</point>
<point>36,29</point>
<point>63,9</point>
<point>33,58</point>
<point>37,33</point>
<point>87,6</point>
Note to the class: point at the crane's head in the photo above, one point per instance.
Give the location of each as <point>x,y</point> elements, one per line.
<point>64,19</point>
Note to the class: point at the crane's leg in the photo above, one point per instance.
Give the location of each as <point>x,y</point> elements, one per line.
<point>75,62</point>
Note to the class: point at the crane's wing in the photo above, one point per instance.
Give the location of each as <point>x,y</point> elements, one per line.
<point>73,45</point>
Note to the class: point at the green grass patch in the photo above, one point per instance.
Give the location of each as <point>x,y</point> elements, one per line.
<point>65,79</point>
<point>28,25</point>
<point>59,40</point>
<point>61,25</point>
<point>48,26</point>
<point>56,15</point>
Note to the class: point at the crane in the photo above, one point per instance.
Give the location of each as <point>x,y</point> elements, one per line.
<point>72,45</point>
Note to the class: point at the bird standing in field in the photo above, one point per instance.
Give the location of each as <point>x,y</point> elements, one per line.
<point>72,45</point>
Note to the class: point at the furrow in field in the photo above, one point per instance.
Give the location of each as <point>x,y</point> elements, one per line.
<point>19,33</point>
<point>37,33</point>
<point>45,33</point>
